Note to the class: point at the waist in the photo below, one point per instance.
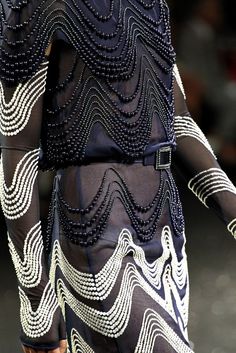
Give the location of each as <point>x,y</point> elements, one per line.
<point>159,156</point>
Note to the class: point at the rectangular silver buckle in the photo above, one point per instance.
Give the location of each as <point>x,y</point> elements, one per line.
<point>163,158</point>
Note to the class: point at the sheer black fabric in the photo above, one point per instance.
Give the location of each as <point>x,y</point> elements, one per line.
<point>108,96</point>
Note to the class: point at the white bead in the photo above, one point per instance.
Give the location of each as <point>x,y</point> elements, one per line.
<point>37,323</point>
<point>186,126</point>
<point>15,114</point>
<point>16,198</point>
<point>162,274</point>
<point>209,182</point>
<point>178,79</point>
<point>29,270</point>
<point>232,227</point>
<point>78,343</point>
<point>154,325</point>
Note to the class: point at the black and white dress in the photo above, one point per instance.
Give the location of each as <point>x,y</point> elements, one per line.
<point>106,110</point>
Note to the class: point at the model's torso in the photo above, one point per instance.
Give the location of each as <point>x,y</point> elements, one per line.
<point>109,92</point>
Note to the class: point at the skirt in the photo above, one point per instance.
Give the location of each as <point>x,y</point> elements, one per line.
<point>117,259</point>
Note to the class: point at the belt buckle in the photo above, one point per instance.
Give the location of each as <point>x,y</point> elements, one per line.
<point>163,158</point>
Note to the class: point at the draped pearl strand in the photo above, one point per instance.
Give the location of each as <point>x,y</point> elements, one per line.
<point>37,323</point>
<point>15,114</point>
<point>154,325</point>
<point>186,126</point>
<point>209,182</point>
<point>16,198</point>
<point>29,270</point>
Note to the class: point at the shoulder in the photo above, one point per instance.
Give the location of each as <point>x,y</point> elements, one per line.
<point>27,29</point>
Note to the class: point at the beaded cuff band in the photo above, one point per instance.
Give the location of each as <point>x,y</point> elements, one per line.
<point>209,182</point>
<point>186,126</point>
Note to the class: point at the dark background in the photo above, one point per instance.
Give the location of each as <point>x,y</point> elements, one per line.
<point>211,249</point>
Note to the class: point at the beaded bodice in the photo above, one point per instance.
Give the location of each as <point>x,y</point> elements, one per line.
<point>109,91</point>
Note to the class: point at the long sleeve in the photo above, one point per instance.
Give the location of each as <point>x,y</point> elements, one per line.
<point>21,110</point>
<point>198,164</point>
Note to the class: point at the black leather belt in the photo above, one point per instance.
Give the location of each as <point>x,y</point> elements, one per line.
<point>159,159</point>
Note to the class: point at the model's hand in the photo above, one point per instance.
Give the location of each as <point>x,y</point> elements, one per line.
<point>62,349</point>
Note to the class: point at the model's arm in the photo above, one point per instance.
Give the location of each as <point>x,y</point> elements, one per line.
<point>197,163</point>
<point>20,123</point>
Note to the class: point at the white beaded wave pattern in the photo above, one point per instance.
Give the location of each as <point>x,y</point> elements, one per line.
<point>232,227</point>
<point>16,198</point>
<point>171,276</point>
<point>37,323</point>
<point>154,325</point>
<point>186,126</point>
<point>99,286</point>
<point>15,114</point>
<point>29,270</point>
<point>209,182</point>
<point>78,343</point>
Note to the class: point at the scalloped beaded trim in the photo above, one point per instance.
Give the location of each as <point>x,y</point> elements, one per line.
<point>209,182</point>
<point>38,323</point>
<point>232,227</point>
<point>16,198</point>
<point>29,270</point>
<point>154,325</point>
<point>186,126</point>
<point>15,114</point>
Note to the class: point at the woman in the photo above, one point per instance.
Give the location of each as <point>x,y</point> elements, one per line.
<point>104,106</point>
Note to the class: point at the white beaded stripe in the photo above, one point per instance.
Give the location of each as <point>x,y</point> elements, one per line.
<point>15,114</point>
<point>113,322</point>
<point>209,182</point>
<point>186,126</point>
<point>178,79</point>
<point>37,323</point>
<point>170,277</point>
<point>16,198</point>
<point>99,286</point>
<point>154,326</point>
<point>29,270</point>
<point>232,227</point>
<point>78,343</point>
